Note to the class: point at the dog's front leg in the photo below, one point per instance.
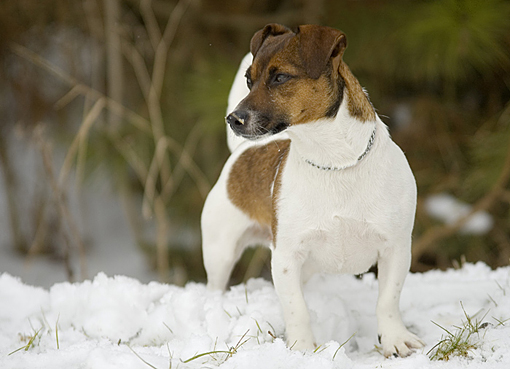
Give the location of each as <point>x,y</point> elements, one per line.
<point>393,266</point>
<point>286,271</point>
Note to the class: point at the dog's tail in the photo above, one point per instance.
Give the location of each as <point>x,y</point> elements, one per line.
<point>238,91</point>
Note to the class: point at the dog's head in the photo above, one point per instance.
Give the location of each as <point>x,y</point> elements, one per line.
<point>295,78</point>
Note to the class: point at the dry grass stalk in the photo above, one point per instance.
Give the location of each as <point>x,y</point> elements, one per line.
<point>62,206</point>
<point>114,63</point>
<point>10,185</point>
<point>160,181</point>
<point>151,88</point>
<point>81,138</point>
<point>135,119</point>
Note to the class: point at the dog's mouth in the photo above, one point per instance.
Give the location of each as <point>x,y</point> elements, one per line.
<point>260,132</point>
<point>253,126</point>
<point>280,127</point>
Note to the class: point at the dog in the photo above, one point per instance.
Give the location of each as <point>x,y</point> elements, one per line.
<point>315,175</point>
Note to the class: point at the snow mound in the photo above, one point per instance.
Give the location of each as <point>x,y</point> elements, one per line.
<point>118,322</point>
<point>449,210</point>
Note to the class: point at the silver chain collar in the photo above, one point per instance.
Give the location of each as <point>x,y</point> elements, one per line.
<point>329,168</point>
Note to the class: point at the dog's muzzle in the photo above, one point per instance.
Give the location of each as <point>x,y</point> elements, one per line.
<point>252,125</point>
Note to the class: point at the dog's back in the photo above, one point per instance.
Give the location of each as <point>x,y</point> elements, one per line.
<point>238,92</point>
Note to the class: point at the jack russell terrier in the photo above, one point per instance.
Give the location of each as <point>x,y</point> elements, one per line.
<point>333,193</point>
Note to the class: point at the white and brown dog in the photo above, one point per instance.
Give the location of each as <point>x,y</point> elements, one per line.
<point>332,194</point>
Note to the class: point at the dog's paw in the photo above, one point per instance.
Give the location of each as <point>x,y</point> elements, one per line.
<point>300,337</point>
<point>399,343</point>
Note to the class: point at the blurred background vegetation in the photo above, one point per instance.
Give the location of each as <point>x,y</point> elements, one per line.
<point>136,91</point>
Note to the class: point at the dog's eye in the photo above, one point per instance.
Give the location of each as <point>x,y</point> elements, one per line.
<point>280,78</point>
<point>247,75</point>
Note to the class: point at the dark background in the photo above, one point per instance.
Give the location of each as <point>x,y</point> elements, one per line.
<point>135,91</point>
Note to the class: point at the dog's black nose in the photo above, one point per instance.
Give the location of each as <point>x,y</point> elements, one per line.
<point>237,118</point>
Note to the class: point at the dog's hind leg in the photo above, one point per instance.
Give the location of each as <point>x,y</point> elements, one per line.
<point>225,234</point>
<point>393,267</point>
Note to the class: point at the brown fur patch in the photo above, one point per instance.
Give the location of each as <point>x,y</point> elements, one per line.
<point>259,37</point>
<point>359,105</point>
<point>307,99</point>
<point>251,179</point>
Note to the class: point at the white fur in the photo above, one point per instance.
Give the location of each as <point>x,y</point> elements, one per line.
<point>328,221</point>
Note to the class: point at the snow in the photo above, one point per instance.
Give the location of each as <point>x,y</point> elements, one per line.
<point>119,322</point>
<point>449,209</point>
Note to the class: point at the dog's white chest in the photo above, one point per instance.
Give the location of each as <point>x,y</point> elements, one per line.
<point>331,219</point>
<point>342,246</point>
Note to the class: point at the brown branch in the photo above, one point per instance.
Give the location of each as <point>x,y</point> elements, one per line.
<point>163,226</point>
<point>151,85</point>
<point>192,168</point>
<point>138,121</point>
<point>161,53</point>
<point>114,65</point>
<point>186,164</point>
<point>137,62</point>
<point>130,156</point>
<point>506,196</point>
<point>80,138</point>
<point>62,206</point>
<point>151,24</point>
<point>158,71</point>
<point>10,185</point>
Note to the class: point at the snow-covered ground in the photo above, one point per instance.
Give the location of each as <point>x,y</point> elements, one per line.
<point>118,322</point>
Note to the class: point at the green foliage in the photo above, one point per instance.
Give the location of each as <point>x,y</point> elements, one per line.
<point>451,39</point>
<point>31,341</point>
<point>488,151</point>
<point>460,342</point>
<point>216,354</point>
<point>372,40</point>
<point>207,88</point>
<point>427,41</point>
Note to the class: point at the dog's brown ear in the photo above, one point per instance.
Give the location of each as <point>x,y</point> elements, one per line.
<point>318,45</point>
<point>260,36</point>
